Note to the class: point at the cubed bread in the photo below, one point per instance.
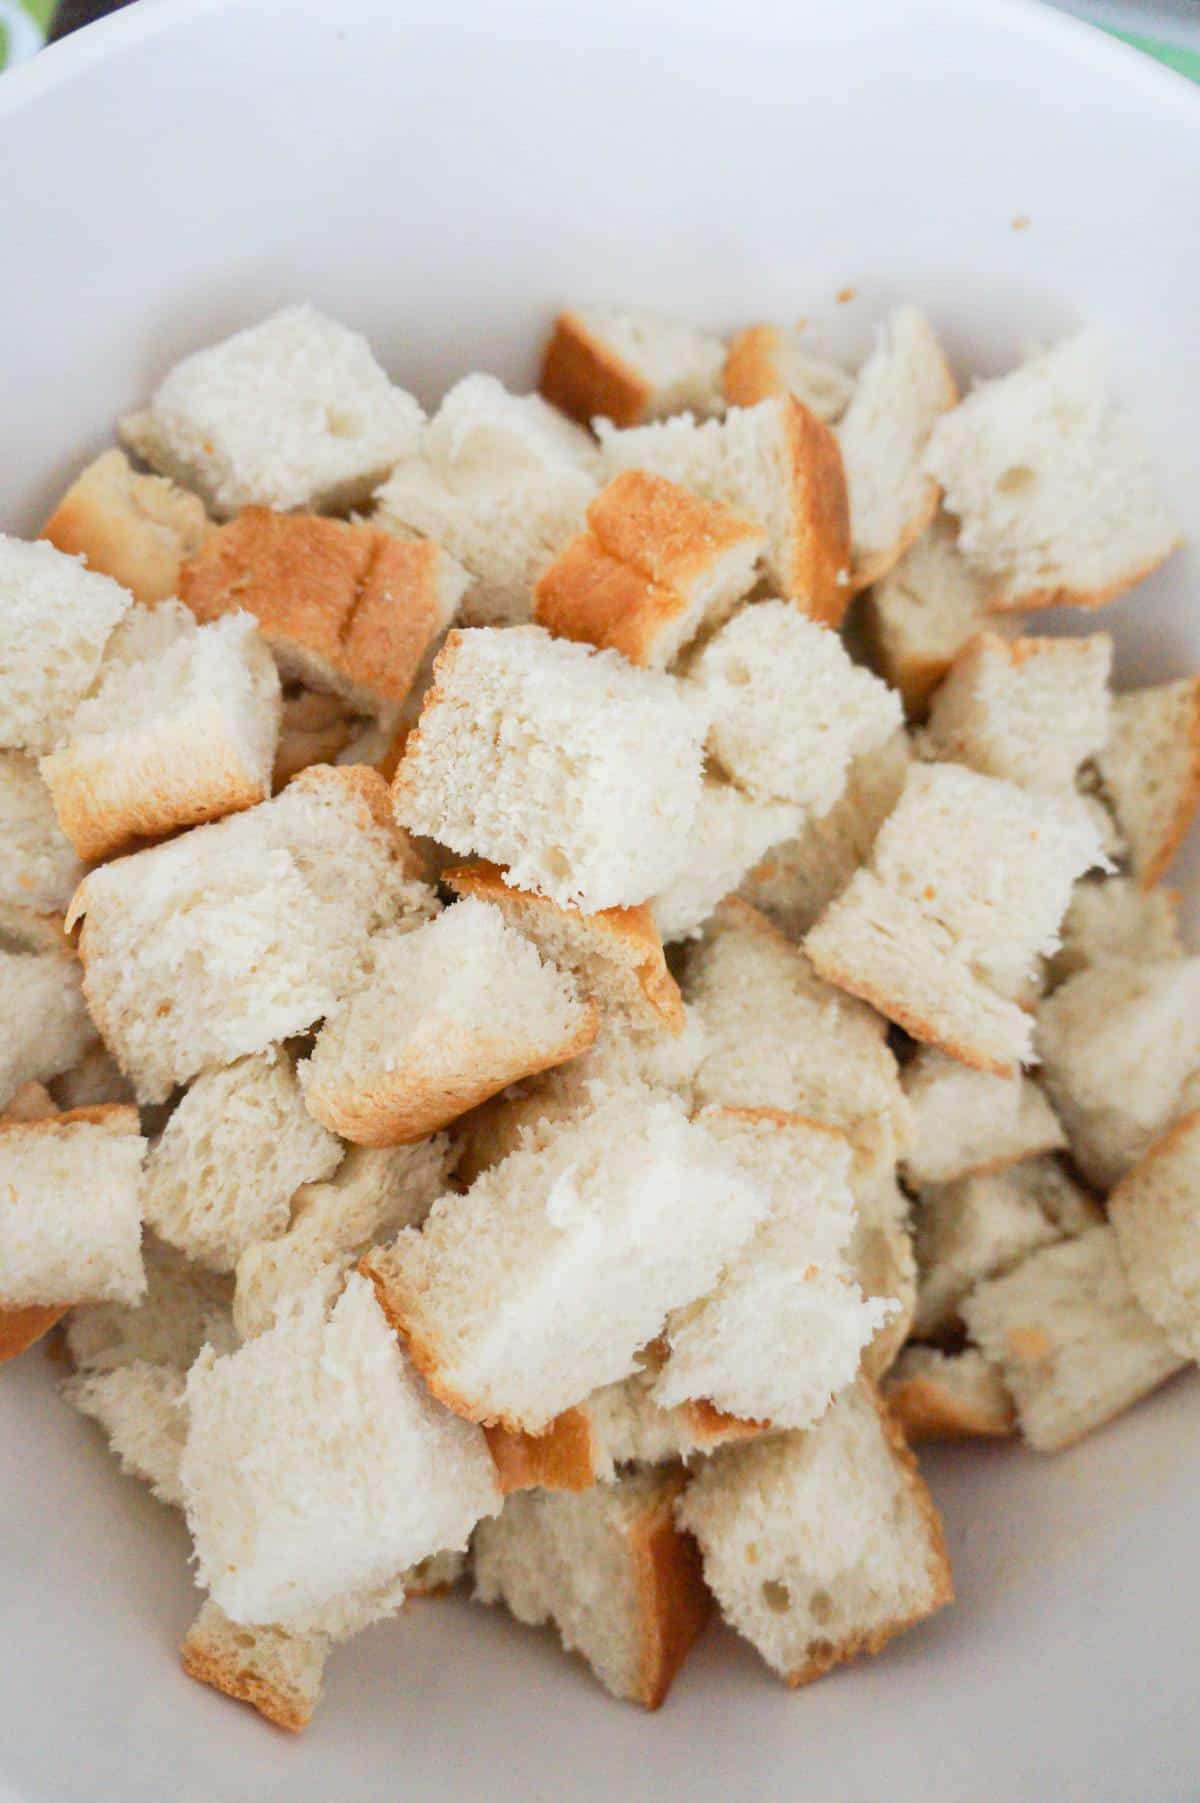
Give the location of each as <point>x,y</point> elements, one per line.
<point>615,955</point>
<point>775,463</point>
<point>918,617</point>
<point>317,1464</point>
<point>447,1016</point>
<point>1056,500</point>
<point>1071,1343</point>
<point>346,608</point>
<point>800,875</point>
<point>38,865</point>
<point>278,1674</point>
<point>609,1569</point>
<point>578,773</point>
<point>180,728</point>
<point>968,881</point>
<point>578,1229</point>
<point>937,1395</point>
<point>313,729</point>
<point>627,364</point>
<point>788,711</point>
<point>968,1231</point>
<point>71,1227</point>
<point>730,834</point>
<point>184,1308</point>
<point>224,1171</point>
<point>820,1546</point>
<point>138,529</point>
<point>291,413</point>
<point>140,1407</point>
<point>235,935</point>
<point>1118,1042</point>
<point>1114,917</point>
<point>502,481</point>
<point>1155,1212</point>
<point>44,1023</point>
<point>58,617</point>
<point>767,360</point>
<point>655,567</point>
<point>902,391</point>
<point>965,1121</point>
<point>1150,771</point>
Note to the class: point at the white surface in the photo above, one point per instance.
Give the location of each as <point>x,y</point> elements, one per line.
<point>443,177</point>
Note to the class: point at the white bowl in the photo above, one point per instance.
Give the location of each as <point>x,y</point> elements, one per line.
<point>443,178</point>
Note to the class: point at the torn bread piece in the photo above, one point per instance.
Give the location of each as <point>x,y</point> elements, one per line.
<point>318,1466</point>
<point>1118,1042</point>
<point>235,935</point>
<point>1155,1212</point>
<point>181,728</point>
<point>615,955</point>
<point>58,618</point>
<point>968,881</point>
<point>1150,771</point>
<point>71,1227</point>
<point>313,729</point>
<point>655,567</point>
<point>38,866</point>
<point>543,1557</point>
<point>628,365</point>
<point>346,608</point>
<point>577,773</point>
<point>918,617</point>
<point>901,392</point>
<point>44,1024</point>
<point>788,711</point>
<point>937,1395</point>
<point>1070,1341</point>
<point>135,528</point>
<point>731,833</point>
<point>277,1673</point>
<point>768,360</point>
<point>140,1407</point>
<point>446,1016</point>
<point>184,1308</point>
<point>590,1210</point>
<point>291,413</point>
<point>629,1428</point>
<point>967,1121</point>
<point>820,1546</point>
<point>1056,500</point>
<point>1113,917</point>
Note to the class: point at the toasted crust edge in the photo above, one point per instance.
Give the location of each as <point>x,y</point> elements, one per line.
<point>207,1666</point>
<point>927,1411</point>
<point>585,379</point>
<point>561,1458</point>
<point>675,1602</point>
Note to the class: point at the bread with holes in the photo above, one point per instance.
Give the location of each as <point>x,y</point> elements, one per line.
<point>1155,1212</point>
<point>58,618</point>
<point>136,528</point>
<point>966,1121</point>
<point>1150,771</point>
<point>918,617</point>
<point>766,360</point>
<point>72,1225</point>
<point>936,1395</point>
<point>278,1674</point>
<point>627,365</point>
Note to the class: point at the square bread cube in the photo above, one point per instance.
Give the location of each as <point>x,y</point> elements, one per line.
<point>627,365</point>
<point>58,616</point>
<point>1155,1211</point>
<point>291,413</point>
<point>135,528</point>
<point>1150,771</point>
<point>38,865</point>
<point>577,772</point>
<point>969,1231</point>
<point>937,1395</point>
<point>767,360</point>
<point>966,1121</point>
<point>917,619</point>
<point>71,1226</point>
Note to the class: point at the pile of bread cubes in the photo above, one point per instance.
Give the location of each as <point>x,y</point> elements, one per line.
<point>573,980</point>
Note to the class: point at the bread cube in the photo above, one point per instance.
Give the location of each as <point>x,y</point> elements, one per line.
<point>1155,1212</point>
<point>768,360</point>
<point>183,1309</point>
<point>137,529</point>
<point>1150,771</point>
<point>140,1407</point>
<point>71,1228</point>
<point>44,1022</point>
<point>937,1395</point>
<point>38,866</point>
<point>730,834</point>
<point>58,617</point>
<point>967,1121</point>
<point>1115,918</point>
<point>278,1674</point>
<point>628,364</point>
<point>918,617</point>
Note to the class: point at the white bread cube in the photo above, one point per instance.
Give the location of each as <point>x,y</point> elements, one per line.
<point>184,1308</point>
<point>767,360</point>
<point>782,1332</point>
<point>38,866</point>
<point>234,1152</point>
<point>1115,918</point>
<point>615,955</point>
<point>235,935</point>
<point>447,1016</point>
<point>775,463</point>
<point>965,1121</point>
<point>1155,1212</point>
<point>627,364</point>
<point>609,1569</point>
<point>370,1197</point>
<point>578,773</point>
<point>655,567</point>
<point>502,481</point>
<point>799,876</point>
<point>937,1395</point>
<point>343,607</point>
<point>730,835</point>
<point>277,1673</point>
<point>1070,1341</point>
<point>58,617</point>
<point>141,1410</point>
<point>1118,1042</point>
<point>71,1227</point>
<point>135,528</point>
<point>789,712</point>
<point>317,1464</point>
<point>180,728</point>
<point>1027,709</point>
<point>1052,486</point>
<point>971,1230</point>
<point>44,1023</point>
<point>820,1546</point>
<point>917,619</point>
<point>902,390</point>
<point>1150,771</point>
<point>538,1286</point>
<point>968,881</point>
<point>293,412</point>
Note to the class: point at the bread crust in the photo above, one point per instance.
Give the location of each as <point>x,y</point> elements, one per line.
<point>585,379</point>
<point>216,1665</point>
<point>135,528</point>
<point>561,1458</point>
<point>674,1602</point>
<point>873,568</point>
<point>104,808</point>
<point>1033,600</point>
<point>927,1410</point>
<point>21,1328</point>
<point>819,560</point>
<point>114,1117</point>
<point>751,373</point>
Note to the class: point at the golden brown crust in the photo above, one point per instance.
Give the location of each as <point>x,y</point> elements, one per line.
<point>927,1410</point>
<point>595,599</point>
<point>23,1327</point>
<point>216,1666</point>
<point>563,1457</point>
<point>710,1426</point>
<point>674,1603</point>
<point>586,380</point>
<point>104,806</point>
<point>135,528</point>
<point>819,561</point>
<point>116,1117</point>
<point>751,372</point>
